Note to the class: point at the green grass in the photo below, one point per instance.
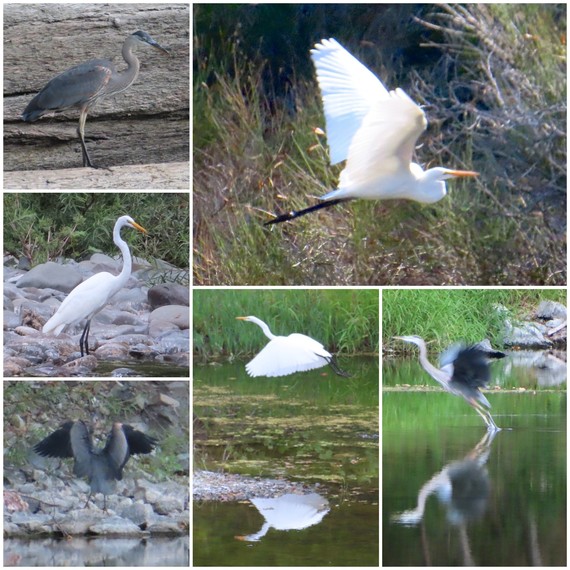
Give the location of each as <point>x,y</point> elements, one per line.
<point>444,316</point>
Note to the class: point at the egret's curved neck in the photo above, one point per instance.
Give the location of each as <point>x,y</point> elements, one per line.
<point>121,81</point>
<point>127,261</point>
<point>263,326</point>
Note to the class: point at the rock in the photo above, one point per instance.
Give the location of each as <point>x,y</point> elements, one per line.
<point>51,275</point>
<point>168,294</point>
<point>178,315</point>
<point>527,335</point>
<point>548,310</point>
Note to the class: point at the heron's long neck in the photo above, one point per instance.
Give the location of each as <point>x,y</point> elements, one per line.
<point>264,328</point>
<point>428,366</point>
<point>124,80</point>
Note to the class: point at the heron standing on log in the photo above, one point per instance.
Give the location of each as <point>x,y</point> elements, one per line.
<point>83,85</point>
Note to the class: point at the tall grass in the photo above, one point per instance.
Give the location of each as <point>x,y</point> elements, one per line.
<point>445,316</point>
<point>496,104</point>
<point>343,320</point>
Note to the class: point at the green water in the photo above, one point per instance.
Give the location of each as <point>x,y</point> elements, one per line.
<point>314,427</point>
<point>485,501</point>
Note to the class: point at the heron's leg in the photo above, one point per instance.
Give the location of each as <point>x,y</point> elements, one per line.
<point>486,415</point>
<point>81,133</point>
<point>84,340</point>
<point>88,499</point>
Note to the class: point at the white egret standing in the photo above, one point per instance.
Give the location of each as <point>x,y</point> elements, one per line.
<point>464,369</point>
<point>89,297</point>
<point>285,355</point>
<point>375,131</point>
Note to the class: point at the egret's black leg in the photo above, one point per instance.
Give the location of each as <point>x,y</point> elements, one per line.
<point>84,340</point>
<point>297,214</point>
<point>88,499</point>
<point>336,368</point>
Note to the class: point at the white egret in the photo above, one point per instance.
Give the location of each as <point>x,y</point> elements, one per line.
<point>89,297</point>
<point>464,369</point>
<point>375,131</point>
<point>288,354</point>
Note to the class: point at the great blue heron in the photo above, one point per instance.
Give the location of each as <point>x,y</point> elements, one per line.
<point>83,85</point>
<point>89,297</point>
<point>289,354</point>
<point>464,369</point>
<point>102,467</point>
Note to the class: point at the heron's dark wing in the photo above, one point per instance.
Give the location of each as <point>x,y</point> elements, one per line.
<point>57,444</point>
<point>138,441</point>
<point>471,367</point>
<point>82,447</point>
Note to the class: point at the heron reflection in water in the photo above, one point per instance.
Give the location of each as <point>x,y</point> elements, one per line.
<point>464,370</point>
<point>83,85</point>
<point>102,467</point>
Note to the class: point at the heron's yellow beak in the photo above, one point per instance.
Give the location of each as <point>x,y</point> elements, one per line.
<point>241,318</point>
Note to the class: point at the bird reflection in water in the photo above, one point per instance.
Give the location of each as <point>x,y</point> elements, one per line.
<point>462,487</point>
<point>288,512</point>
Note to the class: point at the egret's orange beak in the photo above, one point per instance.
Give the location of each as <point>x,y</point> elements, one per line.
<point>464,173</point>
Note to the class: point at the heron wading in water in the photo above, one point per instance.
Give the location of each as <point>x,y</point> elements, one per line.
<point>464,370</point>
<point>83,85</point>
<point>102,467</point>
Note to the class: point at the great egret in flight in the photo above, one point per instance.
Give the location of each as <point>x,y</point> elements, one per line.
<point>285,355</point>
<point>102,467</point>
<point>464,369</point>
<point>89,297</point>
<point>375,131</point>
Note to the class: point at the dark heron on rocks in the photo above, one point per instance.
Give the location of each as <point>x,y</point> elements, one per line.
<point>83,85</point>
<point>102,467</point>
<point>464,370</point>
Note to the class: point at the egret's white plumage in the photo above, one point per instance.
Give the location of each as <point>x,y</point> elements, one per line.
<point>89,297</point>
<point>285,355</point>
<point>375,131</point>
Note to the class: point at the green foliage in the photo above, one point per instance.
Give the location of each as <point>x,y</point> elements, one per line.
<point>446,316</point>
<point>344,321</point>
<point>43,227</point>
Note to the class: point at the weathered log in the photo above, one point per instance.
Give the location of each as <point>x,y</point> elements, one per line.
<point>165,176</point>
<point>147,123</point>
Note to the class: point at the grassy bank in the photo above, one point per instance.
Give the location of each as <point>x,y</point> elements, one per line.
<point>344,321</point>
<point>446,316</point>
<point>493,84</point>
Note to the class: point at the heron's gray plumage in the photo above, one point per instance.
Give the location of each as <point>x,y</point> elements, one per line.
<point>102,467</point>
<point>83,85</point>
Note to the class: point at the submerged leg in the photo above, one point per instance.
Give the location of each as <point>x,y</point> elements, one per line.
<point>487,418</point>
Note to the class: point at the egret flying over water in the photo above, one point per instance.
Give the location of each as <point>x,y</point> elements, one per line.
<point>375,131</point>
<point>464,370</point>
<point>285,355</point>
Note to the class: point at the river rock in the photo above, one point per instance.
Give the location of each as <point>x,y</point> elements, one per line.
<point>51,275</point>
<point>168,294</point>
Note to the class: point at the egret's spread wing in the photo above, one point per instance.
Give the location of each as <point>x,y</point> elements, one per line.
<point>282,356</point>
<point>384,144</point>
<point>349,90</point>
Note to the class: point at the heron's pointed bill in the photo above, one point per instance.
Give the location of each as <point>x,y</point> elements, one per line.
<point>241,318</point>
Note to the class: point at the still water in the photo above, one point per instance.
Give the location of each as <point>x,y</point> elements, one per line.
<point>316,428</point>
<point>455,495</point>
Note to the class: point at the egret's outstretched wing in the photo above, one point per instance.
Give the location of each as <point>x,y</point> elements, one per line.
<point>383,145</point>
<point>283,356</point>
<point>349,91</point>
